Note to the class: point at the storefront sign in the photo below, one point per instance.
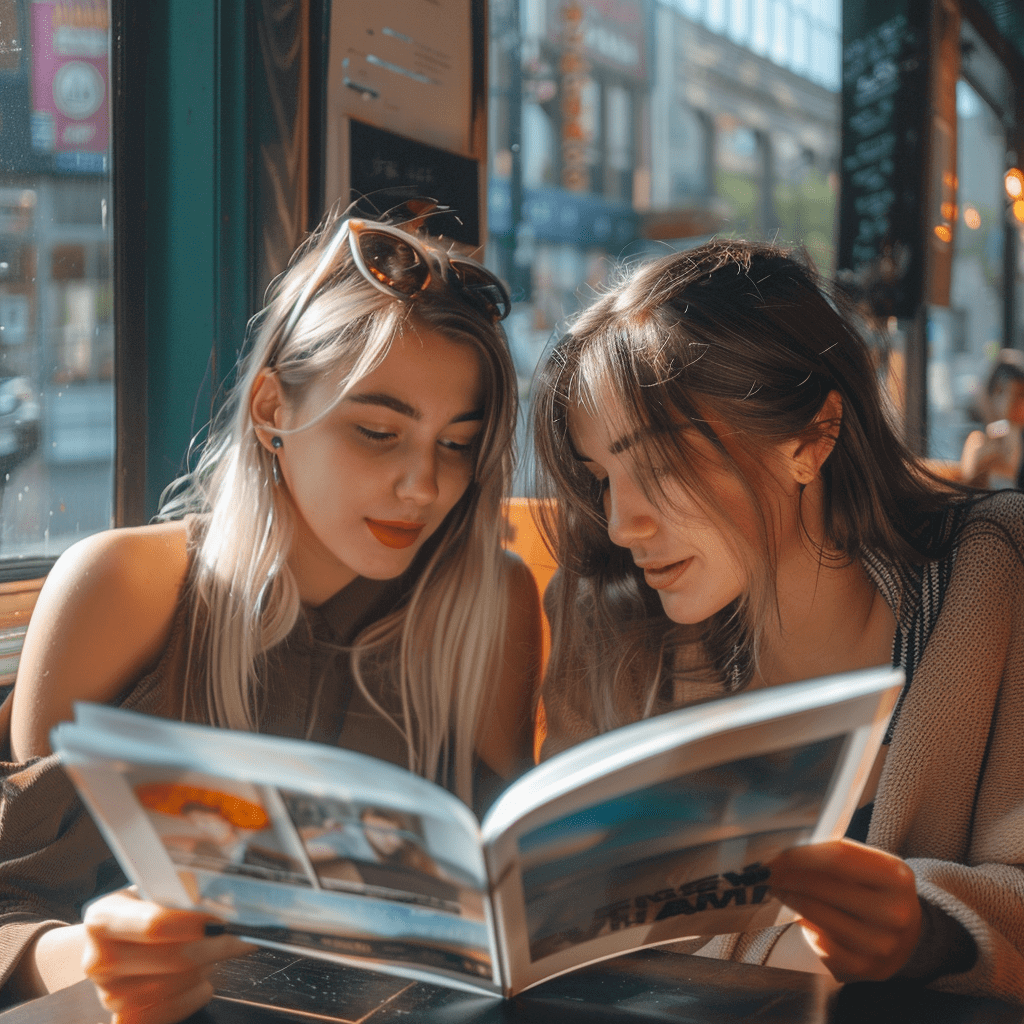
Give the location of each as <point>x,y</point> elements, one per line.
<point>70,72</point>
<point>575,74</point>
<point>898,190</point>
<point>611,33</point>
<point>405,65</point>
<point>557,215</point>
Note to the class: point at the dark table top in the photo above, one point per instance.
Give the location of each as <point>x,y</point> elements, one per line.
<point>654,986</point>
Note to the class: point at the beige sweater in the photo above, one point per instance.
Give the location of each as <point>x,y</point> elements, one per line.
<point>951,798</point>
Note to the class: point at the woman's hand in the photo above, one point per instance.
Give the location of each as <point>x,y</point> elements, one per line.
<point>151,964</point>
<point>858,905</point>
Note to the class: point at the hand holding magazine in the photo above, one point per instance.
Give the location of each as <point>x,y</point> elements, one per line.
<point>652,833</point>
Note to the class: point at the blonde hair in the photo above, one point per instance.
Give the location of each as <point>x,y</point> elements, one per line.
<point>442,643</point>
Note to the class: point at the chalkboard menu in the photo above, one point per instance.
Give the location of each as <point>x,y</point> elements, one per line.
<point>388,169</point>
<point>885,103</point>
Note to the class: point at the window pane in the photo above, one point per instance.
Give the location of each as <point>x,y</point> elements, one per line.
<point>761,35</point>
<point>739,21</point>
<point>781,44</point>
<point>659,125</point>
<point>56,326</point>
<point>964,340</point>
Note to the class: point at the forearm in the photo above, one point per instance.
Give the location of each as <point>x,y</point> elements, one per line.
<point>52,961</point>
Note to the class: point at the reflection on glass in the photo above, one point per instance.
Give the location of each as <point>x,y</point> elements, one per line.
<point>56,299</point>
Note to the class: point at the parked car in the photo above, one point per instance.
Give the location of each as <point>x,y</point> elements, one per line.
<point>20,427</point>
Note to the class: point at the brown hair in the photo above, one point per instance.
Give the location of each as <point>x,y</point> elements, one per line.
<point>735,335</point>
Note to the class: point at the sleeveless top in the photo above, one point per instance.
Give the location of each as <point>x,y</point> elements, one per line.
<point>308,690</point>
<point>52,857</point>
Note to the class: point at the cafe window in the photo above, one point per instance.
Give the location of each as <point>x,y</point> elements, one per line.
<point>965,337</point>
<point>56,287</point>
<point>651,124</point>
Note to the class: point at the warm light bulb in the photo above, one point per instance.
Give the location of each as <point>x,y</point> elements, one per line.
<point>972,218</point>
<point>1014,183</point>
<point>1018,210</point>
<point>943,233</point>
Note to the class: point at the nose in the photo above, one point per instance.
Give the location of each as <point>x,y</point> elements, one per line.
<point>631,516</point>
<point>417,480</point>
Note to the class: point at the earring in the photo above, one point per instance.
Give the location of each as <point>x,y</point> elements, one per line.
<point>277,444</point>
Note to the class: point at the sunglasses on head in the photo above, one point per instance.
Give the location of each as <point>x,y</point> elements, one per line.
<point>400,265</point>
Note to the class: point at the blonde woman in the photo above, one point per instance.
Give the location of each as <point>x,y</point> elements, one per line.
<point>735,510</point>
<point>332,569</point>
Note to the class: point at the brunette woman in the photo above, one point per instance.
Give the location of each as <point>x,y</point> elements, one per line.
<point>735,509</point>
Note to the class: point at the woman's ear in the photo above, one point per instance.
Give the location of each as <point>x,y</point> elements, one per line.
<point>807,455</point>
<point>266,407</point>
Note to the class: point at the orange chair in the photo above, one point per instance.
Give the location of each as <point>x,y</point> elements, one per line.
<point>526,540</point>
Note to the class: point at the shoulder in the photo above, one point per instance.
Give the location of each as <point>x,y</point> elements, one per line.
<point>980,579</point>
<point>143,565</point>
<point>1006,506</point>
<point>522,585</point>
<point>102,618</point>
<point>524,612</point>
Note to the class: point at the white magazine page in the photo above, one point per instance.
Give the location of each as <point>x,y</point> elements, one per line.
<point>293,844</point>
<point>663,832</point>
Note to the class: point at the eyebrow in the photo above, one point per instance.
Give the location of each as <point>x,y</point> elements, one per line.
<point>618,446</point>
<point>404,408</point>
<point>625,442</point>
<point>621,445</point>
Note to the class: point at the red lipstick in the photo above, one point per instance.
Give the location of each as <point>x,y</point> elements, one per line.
<point>394,534</point>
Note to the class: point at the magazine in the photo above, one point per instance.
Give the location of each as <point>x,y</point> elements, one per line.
<point>657,831</point>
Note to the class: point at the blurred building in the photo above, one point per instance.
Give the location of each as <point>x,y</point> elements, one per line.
<point>619,126</point>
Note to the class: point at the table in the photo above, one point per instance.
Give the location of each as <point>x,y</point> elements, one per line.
<point>650,987</point>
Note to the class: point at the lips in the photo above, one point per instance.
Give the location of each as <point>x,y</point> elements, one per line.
<point>662,576</point>
<point>394,534</point>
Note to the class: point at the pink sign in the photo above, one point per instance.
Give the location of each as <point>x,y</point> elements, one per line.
<point>70,72</point>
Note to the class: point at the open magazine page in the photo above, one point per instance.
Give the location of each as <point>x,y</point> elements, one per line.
<point>662,830</point>
<point>294,844</point>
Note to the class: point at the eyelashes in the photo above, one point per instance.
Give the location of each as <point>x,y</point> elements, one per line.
<point>459,448</point>
<point>386,436</point>
<point>599,488</point>
<point>374,435</point>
